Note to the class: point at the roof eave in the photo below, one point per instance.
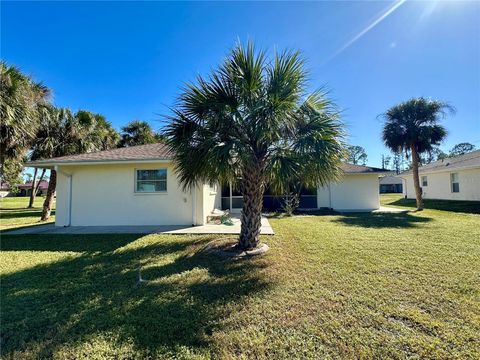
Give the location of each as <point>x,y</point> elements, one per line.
<point>52,164</point>
<point>444,169</point>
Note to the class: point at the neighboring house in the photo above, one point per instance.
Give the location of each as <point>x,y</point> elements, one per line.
<point>138,186</point>
<point>391,184</point>
<point>4,190</point>
<point>456,178</point>
<point>24,189</point>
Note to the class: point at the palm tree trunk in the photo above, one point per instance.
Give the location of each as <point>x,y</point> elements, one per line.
<point>33,192</point>
<point>47,205</point>
<point>252,191</point>
<point>40,180</point>
<point>416,178</point>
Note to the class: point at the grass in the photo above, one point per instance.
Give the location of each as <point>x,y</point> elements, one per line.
<point>471,207</point>
<point>335,286</point>
<point>15,214</point>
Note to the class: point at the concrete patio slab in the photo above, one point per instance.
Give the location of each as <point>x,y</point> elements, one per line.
<point>266,229</point>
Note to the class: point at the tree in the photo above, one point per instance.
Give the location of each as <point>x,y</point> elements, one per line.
<point>102,136</point>
<point>398,163</point>
<point>138,133</point>
<point>28,178</point>
<point>20,98</point>
<point>357,155</point>
<point>432,155</point>
<point>11,173</point>
<point>413,127</point>
<point>62,133</point>
<point>461,149</point>
<point>386,161</point>
<point>250,123</point>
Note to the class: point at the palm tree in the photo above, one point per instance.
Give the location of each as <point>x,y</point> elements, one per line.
<point>101,134</point>
<point>54,138</point>
<point>138,133</point>
<point>62,133</point>
<point>413,127</point>
<point>251,123</point>
<point>20,98</point>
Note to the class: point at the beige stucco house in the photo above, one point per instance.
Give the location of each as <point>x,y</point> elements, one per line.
<point>138,186</point>
<point>456,178</point>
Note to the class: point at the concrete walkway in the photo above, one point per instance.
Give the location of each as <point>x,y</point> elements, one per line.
<point>380,210</point>
<point>389,210</point>
<point>266,229</point>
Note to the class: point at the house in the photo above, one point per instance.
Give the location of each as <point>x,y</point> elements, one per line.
<point>138,186</point>
<point>4,190</point>
<point>391,184</point>
<point>24,189</point>
<point>456,178</point>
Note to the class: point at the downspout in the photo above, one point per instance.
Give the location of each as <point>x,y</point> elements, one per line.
<point>69,197</point>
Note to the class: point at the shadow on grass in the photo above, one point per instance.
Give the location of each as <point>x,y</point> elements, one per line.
<point>77,299</point>
<point>470,207</point>
<point>382,220</point>
<point>58,242</point>
<point>21,213</point>
<point>313,212</point>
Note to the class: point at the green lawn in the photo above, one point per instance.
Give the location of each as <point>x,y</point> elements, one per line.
<point>335,286</point>
<point>472,207</point>
<point>15,214</point>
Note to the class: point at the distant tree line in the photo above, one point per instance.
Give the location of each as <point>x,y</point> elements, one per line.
<point>32,128</point>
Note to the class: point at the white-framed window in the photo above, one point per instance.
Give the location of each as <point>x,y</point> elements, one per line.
<point>150,180</point>
<point>424,181</point>
<point>454,183</point>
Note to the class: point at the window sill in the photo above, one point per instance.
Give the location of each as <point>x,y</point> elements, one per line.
<point>151,193</point>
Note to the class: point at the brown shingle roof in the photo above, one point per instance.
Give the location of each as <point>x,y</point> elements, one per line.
<point>153,152</point>
<point>361,169</point>
<point>140,152</point>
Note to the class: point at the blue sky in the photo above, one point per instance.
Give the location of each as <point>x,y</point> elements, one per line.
<point>128,60</point>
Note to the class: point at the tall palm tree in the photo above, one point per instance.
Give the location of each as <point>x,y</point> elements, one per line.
<point>413,127</point>
<point>20,98</point>
<point>101,134</point>
<point>251,123</point>
<point>138,133</point>
<point>55,137</point>
<point>62,133</point>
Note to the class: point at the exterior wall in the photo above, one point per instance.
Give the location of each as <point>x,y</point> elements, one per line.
<point>439,186</point>
<point>211,200</point>
<point>352,193</point>
<point>207,201</point>
<point>104,195</point>
<point>61,201</point>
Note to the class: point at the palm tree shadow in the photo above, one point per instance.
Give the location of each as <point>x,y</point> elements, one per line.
<point>383,220</point>
<point>69,301</point>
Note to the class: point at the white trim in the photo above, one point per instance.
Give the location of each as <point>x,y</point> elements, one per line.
<point>95,162</point>
<point>162,192</point>
<point>442,170</point>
